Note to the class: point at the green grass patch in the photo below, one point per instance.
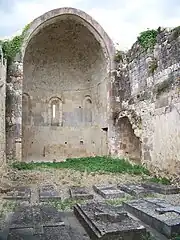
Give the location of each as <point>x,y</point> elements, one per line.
<point>89,164</point>
<point>64,205</point>
<point>164,181</point>
<point>118,201</point>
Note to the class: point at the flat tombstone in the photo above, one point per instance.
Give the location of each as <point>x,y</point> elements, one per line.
<point>157,213</point>
<point>35,218</point>
<point>48,192</point>
<point>135,190</point>
<point>160,188</point>
<point>19,193</point>
<point>108,191</point>
<point>103,221</point>
<point>80,193</point>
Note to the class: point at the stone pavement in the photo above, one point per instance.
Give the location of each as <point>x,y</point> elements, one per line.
<point>34,216</point>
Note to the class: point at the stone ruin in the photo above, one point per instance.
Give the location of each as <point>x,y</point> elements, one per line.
<point>65,96</point>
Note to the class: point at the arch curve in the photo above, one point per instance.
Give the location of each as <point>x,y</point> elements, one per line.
<point>92,25</point>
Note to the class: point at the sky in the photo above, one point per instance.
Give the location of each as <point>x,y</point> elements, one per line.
<point>123,20</point>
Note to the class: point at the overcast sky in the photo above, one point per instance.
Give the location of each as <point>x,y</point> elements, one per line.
<point>123,20</point>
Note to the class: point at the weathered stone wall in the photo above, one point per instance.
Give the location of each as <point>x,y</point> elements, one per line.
<point>14,111</point>
<point>147,91</point>
<point>64,93</point>
<point>3,70</point>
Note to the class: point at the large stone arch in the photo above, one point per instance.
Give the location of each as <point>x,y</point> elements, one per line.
<point>65,52</point>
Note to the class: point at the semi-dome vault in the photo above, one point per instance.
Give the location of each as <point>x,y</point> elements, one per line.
<point>67,64</point>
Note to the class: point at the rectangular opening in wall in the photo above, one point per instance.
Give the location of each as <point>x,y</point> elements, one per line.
<point>105,129</point>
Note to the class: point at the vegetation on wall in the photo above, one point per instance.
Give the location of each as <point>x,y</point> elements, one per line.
<point>118,56</point>
<point>11,47</point>
<point>176,32</point>
<point>147,39</point>
<point>153,66</point>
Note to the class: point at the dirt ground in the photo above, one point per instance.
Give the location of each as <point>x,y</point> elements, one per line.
<point>64,178</point>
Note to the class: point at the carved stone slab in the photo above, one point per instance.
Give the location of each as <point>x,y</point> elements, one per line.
<point>134,190</point>
<point>48,192</point>
<point>80,193</point>
<point>151,213</point>
<point>103,221</point>
<point>160,188</point>
<point>108,191</point>
<point>35,217</point>
<point>19,193</point>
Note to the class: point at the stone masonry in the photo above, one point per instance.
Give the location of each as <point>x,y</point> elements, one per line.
<point>67,97</point>
<point>2,107</point>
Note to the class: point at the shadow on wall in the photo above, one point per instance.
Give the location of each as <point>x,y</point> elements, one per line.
<point>129,145</point>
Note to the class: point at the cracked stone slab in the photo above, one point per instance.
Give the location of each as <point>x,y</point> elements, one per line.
<point>35,217</point>
<point>108,191</point>
<point>80,193</point>
<point>160,188</point>
<point>166,222</point>
<point>134,190</point>
<point>103,221</point>
<point>19,193</point>
<point>48,193</point>
<point>50,233</point>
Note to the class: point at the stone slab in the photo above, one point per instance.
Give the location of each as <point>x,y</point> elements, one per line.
<point>106,222</point>
<point>19,193</point>
<point>49,233</point>
<point>160,188</point>
<point>48,193</point>
<point>35,217</point>
<point>147,211</point>
<point>134,190</point>
<point>80,193</point>
<point>108,191</point>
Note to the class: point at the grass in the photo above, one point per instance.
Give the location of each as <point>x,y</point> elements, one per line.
<point>164,181</point>
<point>6,207</point>
<point>118,201</point>
<point>64,205</point>
<point>89,164</point>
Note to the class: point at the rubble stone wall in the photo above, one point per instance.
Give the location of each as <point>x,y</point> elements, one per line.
<point>3,70</point>
<point>147,91</point>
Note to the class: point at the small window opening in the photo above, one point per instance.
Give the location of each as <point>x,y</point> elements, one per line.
<point>81,142</point>
<point>65,143</point>
<point>54,111</point>
<point>105,129</point>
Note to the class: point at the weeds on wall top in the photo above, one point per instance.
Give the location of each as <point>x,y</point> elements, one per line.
<point>11,47</point>
<point>147,39</point>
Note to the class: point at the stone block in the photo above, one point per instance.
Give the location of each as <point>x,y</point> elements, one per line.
<point>106,222</point>
<point>108,191</point>
<point>19,193</point>
<point>167,223</point>
<point>48,192</point>
<point>160,188</point>
<point>134,190</point>
<point>80,193</point>
<point>35,217</point>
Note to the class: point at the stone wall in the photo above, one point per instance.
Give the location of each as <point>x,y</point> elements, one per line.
<point>64,94</point>
<point>14,110</point>
<point>147,91</point>
<point>3,70</point>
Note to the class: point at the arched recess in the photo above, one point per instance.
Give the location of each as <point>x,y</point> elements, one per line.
<point>67,53</point>
<point>55,111</point>
<point>127,143</point>
<point>87,110</point>
<point>26,108</point>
